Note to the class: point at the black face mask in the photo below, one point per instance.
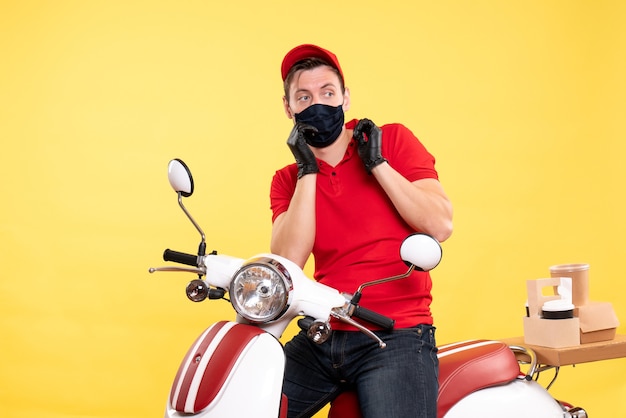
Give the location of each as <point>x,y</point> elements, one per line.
<point>328,121</point>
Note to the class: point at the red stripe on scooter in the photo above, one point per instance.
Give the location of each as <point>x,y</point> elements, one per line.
<point>222,362</point>
<point>179,402</point>
<point>457,345</point>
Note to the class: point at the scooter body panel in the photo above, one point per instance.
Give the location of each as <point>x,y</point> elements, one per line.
<point>518,399</point>
<point>228,363</point>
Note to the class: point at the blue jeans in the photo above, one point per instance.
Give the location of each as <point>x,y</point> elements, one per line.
<point>399,381</point>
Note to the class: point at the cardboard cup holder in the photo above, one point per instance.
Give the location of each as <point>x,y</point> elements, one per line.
<point>547,325</point>
<point>554,333</point>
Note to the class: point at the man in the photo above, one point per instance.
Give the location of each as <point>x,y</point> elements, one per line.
<point>355,192</point>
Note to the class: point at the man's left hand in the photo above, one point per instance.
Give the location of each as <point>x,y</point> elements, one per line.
<point>369,148</point>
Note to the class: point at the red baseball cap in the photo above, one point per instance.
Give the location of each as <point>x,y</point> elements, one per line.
<point>308,51</point>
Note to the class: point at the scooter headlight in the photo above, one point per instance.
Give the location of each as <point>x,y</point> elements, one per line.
<point>259,291</point>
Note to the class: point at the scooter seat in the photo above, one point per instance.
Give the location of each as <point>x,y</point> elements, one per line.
<point>468,366</point>
<point>464,368</point>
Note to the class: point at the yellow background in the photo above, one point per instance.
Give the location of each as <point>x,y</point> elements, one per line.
<point>522,102</point>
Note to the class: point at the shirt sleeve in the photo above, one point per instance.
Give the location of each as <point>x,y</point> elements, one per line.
<point>282,189</point>
<point>406,153</point>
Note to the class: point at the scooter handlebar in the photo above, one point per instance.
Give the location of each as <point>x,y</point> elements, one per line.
<point>182,258</point>
<point>373,318</point>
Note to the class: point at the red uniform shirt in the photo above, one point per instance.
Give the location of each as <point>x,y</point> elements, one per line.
<point>358,230</point>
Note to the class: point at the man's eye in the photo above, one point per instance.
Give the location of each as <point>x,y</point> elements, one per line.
<point>303,98</point>
<point>329,94</point>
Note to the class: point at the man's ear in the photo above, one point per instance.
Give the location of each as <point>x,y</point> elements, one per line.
<point>346,100</point>
<point>287,109</point>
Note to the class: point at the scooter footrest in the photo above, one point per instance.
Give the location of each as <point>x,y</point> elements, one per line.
<point>468,366</point>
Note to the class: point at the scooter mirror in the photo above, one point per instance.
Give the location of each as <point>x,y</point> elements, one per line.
<point>180,177</point>
<point>421,251</point>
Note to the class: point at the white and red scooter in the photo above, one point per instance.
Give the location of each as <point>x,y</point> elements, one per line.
<point>235,368</point>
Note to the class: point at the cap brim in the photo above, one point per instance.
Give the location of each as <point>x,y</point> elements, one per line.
<point>302,52</point>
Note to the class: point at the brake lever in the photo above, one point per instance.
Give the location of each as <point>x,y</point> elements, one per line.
<point>348,320</point>
<point>196,270</point>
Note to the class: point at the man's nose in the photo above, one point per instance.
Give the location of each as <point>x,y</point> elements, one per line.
<point>316,99</point>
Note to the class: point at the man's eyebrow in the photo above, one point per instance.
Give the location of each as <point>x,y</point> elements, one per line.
<point>325,86</point>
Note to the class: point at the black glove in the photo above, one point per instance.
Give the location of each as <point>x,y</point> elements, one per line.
<point>369,150</point>
<point>307,164</point>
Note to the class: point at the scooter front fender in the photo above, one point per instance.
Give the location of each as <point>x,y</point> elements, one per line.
<point>231,370</point>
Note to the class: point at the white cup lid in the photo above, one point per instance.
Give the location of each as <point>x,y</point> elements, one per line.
<point>557,305</point>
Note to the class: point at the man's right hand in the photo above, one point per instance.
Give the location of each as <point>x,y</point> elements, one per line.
<point>307,164</point>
